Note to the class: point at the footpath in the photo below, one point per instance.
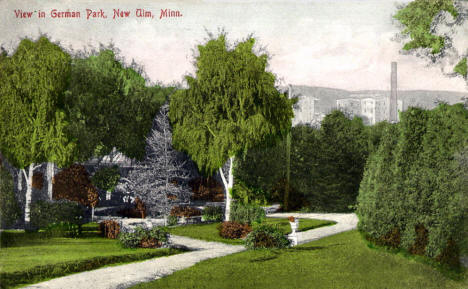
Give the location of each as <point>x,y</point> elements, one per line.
<point>124,276</point>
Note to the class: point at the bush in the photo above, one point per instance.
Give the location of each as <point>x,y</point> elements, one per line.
<point>247,214</point>
<point>413,193</point>
<point>233,230</point>
<point>73,184</point>
<point>9,208</point>
<point>266,236</point>
<point>213,213</point>
<point>141,237</point>
<point>109,229</point>
<point>63,229</point>
<point>171,220</point>
<point>184,211</point>
<point>106,178</point>
<point>44,213</point>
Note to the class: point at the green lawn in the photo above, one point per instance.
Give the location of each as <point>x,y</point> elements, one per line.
<point>31,254</point>
<point>339,261</point>
<point>209,232</point>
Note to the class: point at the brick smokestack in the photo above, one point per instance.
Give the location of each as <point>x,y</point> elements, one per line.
<point>393,112</point>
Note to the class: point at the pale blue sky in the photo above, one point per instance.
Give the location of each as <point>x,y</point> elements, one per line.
<point>334,43</point>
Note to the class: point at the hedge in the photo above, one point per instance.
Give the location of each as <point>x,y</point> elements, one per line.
<point>39,273</point>
<point>413,194</point>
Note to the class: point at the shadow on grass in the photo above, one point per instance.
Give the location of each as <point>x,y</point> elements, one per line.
<point>277,252</point>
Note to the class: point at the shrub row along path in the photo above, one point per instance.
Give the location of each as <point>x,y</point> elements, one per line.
<point>124,276</point>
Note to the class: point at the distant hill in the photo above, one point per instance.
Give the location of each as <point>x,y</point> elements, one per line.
<point>421,98</point>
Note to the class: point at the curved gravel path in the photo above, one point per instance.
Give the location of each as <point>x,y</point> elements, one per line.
<point>124,276</point>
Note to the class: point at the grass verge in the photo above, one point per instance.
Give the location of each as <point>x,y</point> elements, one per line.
<point>340,261</point>
<point>31,257</point>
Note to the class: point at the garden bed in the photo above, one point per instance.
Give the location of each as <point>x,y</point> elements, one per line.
<point>209,232</point>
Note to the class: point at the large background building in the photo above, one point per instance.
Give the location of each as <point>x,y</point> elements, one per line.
<point>372,106</point>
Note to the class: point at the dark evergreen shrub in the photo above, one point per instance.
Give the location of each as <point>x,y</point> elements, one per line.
<point>213,213</point>
<point>233,230</point>
<point>246,214</point>
<point>44,213</point>
<point>9,208</point>
<point>415,183</point>
<point>266,236</point>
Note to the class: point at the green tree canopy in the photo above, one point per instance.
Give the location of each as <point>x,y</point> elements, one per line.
<point>231,104</point>
<point>110,106</point>
<point>32,123</point>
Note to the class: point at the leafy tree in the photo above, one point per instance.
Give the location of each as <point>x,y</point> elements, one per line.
<point>159,180</point>
<point>73,184</point>
<point>110,105</point>
<point>230,105</point>
<point>462,68</point>
<point>417,16</point>
<point>32,122</point>
<point>342,160</point>
<point>421,19</point>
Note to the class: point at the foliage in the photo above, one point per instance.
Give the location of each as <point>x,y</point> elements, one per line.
<point>44,213</point>
<point>462,67</point>
<point>109,229</point>
<point>233,230</point>
<point>172,220</point>
<point>141,237</point>
<point>106,178</point>
<point>63,229</point>
<point>206,189</point>
<point>266,236</point>
<point>213,213</point>
<point>185,211</point>
<point>247,214</point>
<point>231,104</point>
<point>32,84</point>
<point>73,184</point>
<point>160,179</point>
<point>38,180</point>
<point>9,208</point>
<point>109,105</point>
<point>415,184</point>
<point>326,165</point>
<point>258,172</point>
<point>417,16</point>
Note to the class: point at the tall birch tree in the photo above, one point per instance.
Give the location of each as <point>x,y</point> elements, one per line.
<point>231,105</point>
<point>32,124</point>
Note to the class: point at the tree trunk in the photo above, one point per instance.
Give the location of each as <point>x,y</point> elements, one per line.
<point>20,181</point>
<point>92,214</point>
<point>50,175</point>
<point>227,188</point>
<point>27,205</point>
